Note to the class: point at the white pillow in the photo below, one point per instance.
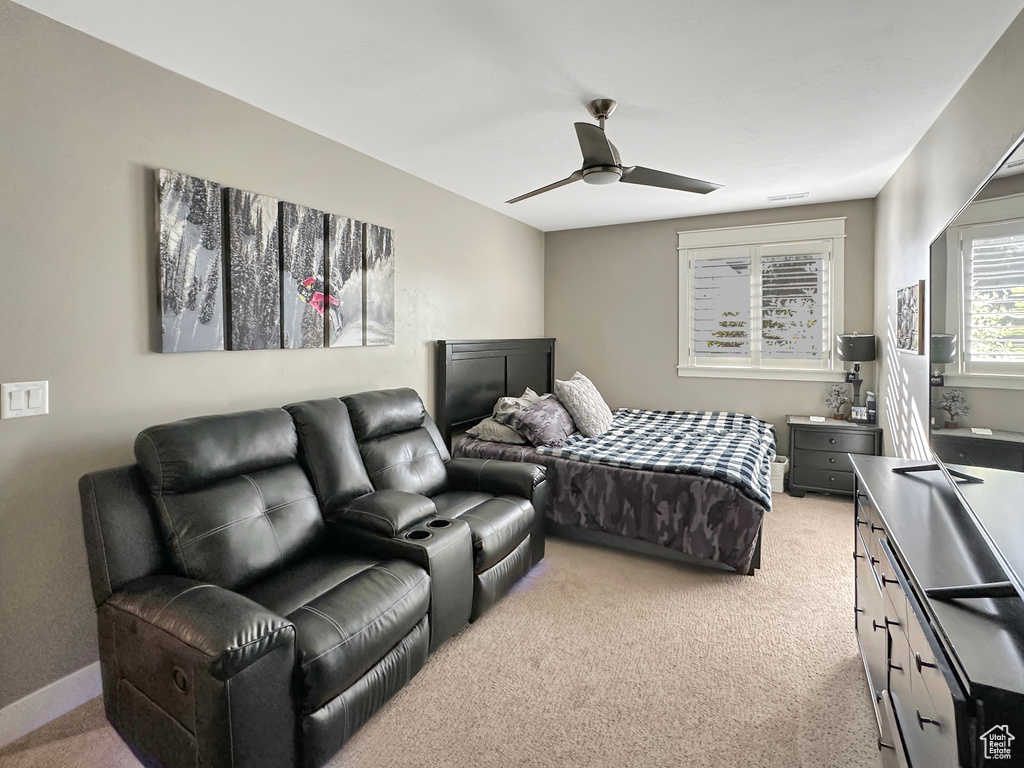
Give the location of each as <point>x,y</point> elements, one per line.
<point>493,432</point>
<point>584,403</point>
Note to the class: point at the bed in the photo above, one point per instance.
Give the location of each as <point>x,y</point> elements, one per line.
<point>694,518</point>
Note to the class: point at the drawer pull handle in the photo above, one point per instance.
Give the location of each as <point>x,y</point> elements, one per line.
<point>831,461</point>
<point>922,663</point>
<point>876,528</point>
<point>831,479</point>
<point>875,626</point>
<point>921,720</point>
<point>875,560</point>
<point>859,610</point>
<point>832,441</point>
<point>895,666</point>
<point>882,745</point>
<point>886,580</point>
<point>890,623</point>
<point>862,522</point>
<point>858,556</point>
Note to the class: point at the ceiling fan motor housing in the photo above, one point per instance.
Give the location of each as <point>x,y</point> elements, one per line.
<point>602,174</point>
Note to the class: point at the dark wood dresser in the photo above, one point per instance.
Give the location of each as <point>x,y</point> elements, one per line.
<point>819,453</point>
<point>1000,450</point>
<point>946,676</point>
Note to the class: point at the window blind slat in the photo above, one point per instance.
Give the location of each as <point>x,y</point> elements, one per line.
<point>994,300</point>
<point>721,299</point>
<point>792,306</point>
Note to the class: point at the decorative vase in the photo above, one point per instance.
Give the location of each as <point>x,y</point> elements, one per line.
<point>839,416</point>
<point>951,425</point>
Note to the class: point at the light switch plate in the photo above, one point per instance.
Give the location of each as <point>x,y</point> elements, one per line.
<point>24,398</point>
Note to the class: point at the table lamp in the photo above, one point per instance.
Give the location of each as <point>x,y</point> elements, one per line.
<point>943,350</point>
<point>855,348</point>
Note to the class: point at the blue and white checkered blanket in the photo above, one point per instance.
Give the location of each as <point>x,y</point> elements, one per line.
<point>730,447</point>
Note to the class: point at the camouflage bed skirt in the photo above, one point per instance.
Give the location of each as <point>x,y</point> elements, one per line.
<point>700,517</point>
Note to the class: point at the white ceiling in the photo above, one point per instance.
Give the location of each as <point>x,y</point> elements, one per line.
<point>480,96</point>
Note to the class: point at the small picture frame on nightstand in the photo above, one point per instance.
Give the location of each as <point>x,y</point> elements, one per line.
<point>859,413</point>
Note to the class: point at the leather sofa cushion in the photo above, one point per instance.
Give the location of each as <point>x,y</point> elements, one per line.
<point>287,590</point>
<point>195,452</point>
<point>387,512</point>
<point>408,461</point>
<point>498,523</point>
<point>236,531</point>
<point>346,630</point>
<point>384,412</point>
<point>328,451</point>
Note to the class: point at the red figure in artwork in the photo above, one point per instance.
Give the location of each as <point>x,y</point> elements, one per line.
<point>311,291</point>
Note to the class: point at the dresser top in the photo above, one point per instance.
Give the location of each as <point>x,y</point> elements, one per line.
<point>830,423</point>
<point>938,545</point>
<point>965,432</point>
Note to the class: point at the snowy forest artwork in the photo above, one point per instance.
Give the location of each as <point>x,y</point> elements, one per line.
<point>345,281</point>
<point>240,270</point>
<point>191,289</point>
<point>380,286</point>
<point>254,270</point>
<point>303,286</point>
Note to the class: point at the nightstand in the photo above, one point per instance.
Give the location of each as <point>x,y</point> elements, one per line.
<point>819,453</point>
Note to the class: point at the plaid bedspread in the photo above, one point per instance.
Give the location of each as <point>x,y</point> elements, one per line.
<point>730,447</point>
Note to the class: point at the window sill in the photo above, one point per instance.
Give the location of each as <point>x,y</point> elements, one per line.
<point>763,374</point>
<point>983,381</point>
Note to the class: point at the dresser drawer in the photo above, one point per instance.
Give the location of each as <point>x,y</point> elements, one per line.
<point>828,460</point>
<point>823,479</point>
<point>837,440</point>
<point>978,452</point>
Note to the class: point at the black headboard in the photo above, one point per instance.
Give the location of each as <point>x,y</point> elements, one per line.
<point>472,374</point>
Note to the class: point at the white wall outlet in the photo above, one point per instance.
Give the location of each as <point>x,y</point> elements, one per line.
<point>24,398</point>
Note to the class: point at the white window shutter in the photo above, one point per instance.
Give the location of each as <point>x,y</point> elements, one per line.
<point>721,307</point>
<point>994,298</point>
<point>793,312</point>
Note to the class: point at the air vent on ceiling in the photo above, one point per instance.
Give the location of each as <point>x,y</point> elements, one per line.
<point>787,198</point>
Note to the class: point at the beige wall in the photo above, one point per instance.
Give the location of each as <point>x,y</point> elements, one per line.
<point>611,301</point>
<point>81,126</point>
<point>939,176</point>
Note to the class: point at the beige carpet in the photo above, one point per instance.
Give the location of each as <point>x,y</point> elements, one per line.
<point>601,658</point>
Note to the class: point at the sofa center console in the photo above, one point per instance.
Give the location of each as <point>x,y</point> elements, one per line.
<point>946,676</point>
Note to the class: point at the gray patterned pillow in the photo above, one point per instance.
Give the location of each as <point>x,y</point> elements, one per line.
<point>584,403</point>
<point>495,432</point>
<point>544,423</point>
<point>508,404</point>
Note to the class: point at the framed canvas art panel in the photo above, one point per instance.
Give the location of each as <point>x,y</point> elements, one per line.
<point>303,280</point>
<point>380,286</point>
<point>254,270</point>
<point>910,319</point>
<point>191,263</point>
<point>344,282</point>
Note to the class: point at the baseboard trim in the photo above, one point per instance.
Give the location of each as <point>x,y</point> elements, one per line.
<point>49,703</point>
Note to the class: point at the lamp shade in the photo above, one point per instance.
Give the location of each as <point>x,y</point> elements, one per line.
<point>855,348</point>
<point>943,348</point>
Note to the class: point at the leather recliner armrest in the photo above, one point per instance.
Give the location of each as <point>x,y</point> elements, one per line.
<point>494,476</point>
<point>385,512</point>
<point>231,630</point>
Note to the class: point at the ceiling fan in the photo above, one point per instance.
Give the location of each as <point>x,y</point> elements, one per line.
<point>601,163</point>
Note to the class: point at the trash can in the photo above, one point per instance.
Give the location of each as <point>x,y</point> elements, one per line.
<point>779,469</point>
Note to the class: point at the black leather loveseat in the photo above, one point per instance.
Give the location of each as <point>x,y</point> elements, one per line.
<point>266,580</point>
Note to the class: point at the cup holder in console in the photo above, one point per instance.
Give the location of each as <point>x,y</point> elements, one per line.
<point>418,535</point>
<point>439,522</point>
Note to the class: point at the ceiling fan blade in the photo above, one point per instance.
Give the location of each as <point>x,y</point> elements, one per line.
<point>575,177</point>
<point>649,177</point>
<point>596,148</point>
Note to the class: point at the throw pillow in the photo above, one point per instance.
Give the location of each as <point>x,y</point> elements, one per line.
<point>508,404</point>
<point>494,432</point>
<point>545,422</point>
<point>584,403</point>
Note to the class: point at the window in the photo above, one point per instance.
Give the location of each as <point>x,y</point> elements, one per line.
<point>990,299</point>
<point>761,301</point>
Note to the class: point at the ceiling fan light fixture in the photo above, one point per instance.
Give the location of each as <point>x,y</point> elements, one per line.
<point>602,174</point>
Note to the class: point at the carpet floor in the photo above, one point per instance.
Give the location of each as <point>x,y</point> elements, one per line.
<point>603,658</point>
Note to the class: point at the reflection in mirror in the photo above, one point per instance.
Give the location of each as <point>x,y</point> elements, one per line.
<point>977,327</point>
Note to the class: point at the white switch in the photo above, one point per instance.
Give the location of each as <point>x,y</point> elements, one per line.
<point>24,398</point>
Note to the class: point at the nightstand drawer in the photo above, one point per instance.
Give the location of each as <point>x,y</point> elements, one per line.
<point>828,460</point>
<point>835,440</point>
<point>823,479</point>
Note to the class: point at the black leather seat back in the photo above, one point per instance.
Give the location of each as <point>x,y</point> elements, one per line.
<point>401,447</point>
<point>233,503</point>
<point>329,452</point>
